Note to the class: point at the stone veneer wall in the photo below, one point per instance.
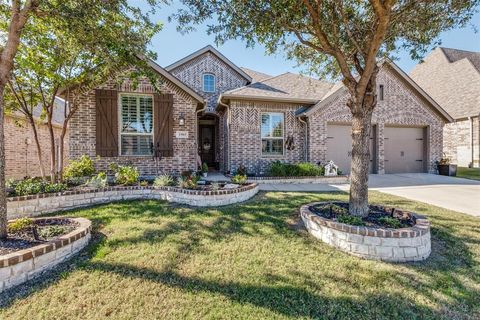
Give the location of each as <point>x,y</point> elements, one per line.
<point>457,144</point>
<point>83,128</point>
<point>20,266</point>
<point>27,206</point>
<point>401,106</point>
<point>245,139</point>
<point>394,245</point>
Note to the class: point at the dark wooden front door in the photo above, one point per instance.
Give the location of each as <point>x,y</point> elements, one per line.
<point>207,144</point>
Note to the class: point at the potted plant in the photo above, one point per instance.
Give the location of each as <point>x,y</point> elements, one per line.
<point>445,168</point>
<point>204,169</point>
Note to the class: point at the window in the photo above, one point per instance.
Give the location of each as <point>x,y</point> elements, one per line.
<point>272,134</point>
<point>208,82</point>
<point>381,92</point>
<point>136,127</point>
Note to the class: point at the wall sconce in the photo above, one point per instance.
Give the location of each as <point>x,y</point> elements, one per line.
<point>181,120</point>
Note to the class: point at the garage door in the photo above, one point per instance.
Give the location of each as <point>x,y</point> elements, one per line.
<point>404,150</point>
<point>339,146</point>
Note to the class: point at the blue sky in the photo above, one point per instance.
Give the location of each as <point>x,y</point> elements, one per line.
<point>171,46</point>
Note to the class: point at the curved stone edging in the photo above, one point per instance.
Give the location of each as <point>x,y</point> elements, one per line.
<point>319,179</point>
<point>393,245</point>
<point>20,266</point>
<point>33,205</point>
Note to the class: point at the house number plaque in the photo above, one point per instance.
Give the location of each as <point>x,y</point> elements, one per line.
<point>181,134</point>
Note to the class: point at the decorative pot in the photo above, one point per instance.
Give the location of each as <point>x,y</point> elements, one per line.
<point>447,170</point>
<point>204,174</point>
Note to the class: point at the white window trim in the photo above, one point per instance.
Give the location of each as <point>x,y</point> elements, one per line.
<point>127,94</point>
<point>214,82</point>
<point>273,138</point>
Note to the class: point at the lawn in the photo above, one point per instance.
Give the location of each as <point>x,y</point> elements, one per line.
<point>468,173</point>
<point>154,260</point>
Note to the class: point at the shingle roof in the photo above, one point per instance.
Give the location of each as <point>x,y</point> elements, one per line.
<point>454,55</point>
<point>287,86</point>
<point>256,75</point>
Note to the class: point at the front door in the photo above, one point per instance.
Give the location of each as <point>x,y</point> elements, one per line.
<point>207,144</point>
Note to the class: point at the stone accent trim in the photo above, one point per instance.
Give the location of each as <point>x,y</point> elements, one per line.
<point>20,266</point>
<point>34,205</point>
<point>393,245</point>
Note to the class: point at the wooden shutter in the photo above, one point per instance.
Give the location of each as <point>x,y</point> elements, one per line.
<point>163,124</point>
<point>106,123</point>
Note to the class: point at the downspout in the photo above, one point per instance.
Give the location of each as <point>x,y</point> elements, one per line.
<point>305,142</point>
<point>227,107</point>
<point>470,119</point>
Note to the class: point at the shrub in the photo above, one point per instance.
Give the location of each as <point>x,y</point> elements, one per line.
<point>239,179</point>
<point>19,225</point>
<point>164,180</point>
<point>280,169</point>
<point>189,182</point>
<point>215,186</point>
<point>144,183</point>
<point>99,181</point>
<point>242,170</point>
<point>125,175</point>
<point>35,185</point>
<point>83,167</point>
<point>351,220</point>
<point>204,167</point>
<point>390,222</point>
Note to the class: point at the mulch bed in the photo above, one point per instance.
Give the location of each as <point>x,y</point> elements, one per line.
<point>47,230</point>
<point>333,211</point>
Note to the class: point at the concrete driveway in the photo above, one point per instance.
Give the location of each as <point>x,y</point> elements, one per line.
<point>456,194</point>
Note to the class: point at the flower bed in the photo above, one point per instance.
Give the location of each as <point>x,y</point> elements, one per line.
<point>33,205</point>
<point>372,242</point>
<point>25,264</point>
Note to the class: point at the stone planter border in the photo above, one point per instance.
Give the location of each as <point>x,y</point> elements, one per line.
<point>33,205</point>
<point>394,245</point>
<point>20,266</point>
<point>304,179</point>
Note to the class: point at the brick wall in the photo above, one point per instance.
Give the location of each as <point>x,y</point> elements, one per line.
<point>401,106</point>
<point>245,138</point>
<point>20,149</point>
<point>82,130</point>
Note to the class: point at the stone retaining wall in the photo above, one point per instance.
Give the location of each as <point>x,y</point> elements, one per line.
<point>321,179</point>
<point>27,206</point>
<point>394,245</point>
<point>20,266</point>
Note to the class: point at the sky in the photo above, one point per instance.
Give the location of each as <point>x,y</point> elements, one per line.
<point>171,46</point>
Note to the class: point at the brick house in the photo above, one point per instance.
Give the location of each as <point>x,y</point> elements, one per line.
<point>452,78</point>
<point>210,110</point>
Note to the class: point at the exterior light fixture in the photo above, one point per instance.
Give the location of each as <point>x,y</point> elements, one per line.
<point>181,120</point>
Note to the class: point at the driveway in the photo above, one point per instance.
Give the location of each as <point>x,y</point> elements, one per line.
<point>456,194</point>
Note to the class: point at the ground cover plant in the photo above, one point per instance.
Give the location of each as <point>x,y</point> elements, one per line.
<point>303,169</point>
<point>154,260</point>
<point>468,173</point>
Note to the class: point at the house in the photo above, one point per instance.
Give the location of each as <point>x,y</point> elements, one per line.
<point>229,116</point>
<point>21,153</point>
<point>452,78</point>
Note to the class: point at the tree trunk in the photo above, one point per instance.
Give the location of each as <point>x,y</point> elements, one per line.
<point>62,150</point>
<point>361,124</point>
<point>3,193</point>
<point>39,147</point>
<point>53,157</point>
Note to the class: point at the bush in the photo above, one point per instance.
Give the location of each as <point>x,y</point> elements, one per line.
<point>144,183</point>
<point>390,222</point>
<point>35,185</point>
<point>99,181</point>
<point>189,182</point>
<point>239,179</point>
<point>204,167</point>
<point>351,220</point>
<point>280,169</point>
<point>83,167</point>
<point>164,180</point>
<point>125,175</point>
<point>242,170</point>
<point>19,225</point>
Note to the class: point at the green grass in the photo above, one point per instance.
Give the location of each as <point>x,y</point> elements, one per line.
<point>154,260</point>
<point>468,173</point>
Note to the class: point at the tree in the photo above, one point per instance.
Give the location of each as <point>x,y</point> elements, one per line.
<point>341,38</point>
<point>64,54</point>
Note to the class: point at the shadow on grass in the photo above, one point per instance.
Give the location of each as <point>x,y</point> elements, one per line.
<point>445,271</point>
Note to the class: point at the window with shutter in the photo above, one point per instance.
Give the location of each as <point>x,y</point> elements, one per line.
<point>136,128</point>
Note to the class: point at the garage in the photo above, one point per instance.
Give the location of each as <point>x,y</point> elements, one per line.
<point>339,146</point>
<point>404,149</point>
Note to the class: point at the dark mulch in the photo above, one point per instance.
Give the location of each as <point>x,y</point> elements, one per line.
<point>333,210</point>
<point>46,230</point>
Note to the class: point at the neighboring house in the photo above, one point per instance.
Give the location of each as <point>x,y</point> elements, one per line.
<point>231,116</point>
<point>452,78</point>
<point>20,149</point>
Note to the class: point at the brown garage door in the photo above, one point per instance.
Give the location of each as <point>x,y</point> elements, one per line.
<point>339,146</point>
<point>404,150</point>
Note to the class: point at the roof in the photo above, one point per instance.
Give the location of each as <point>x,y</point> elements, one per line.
<point>339,89</point>
<point>454,55</point>
<point>211,49</point>
<point>255,75</point>
<point>287,87</point>
<point>173,79</point>
<point>58,115</point>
